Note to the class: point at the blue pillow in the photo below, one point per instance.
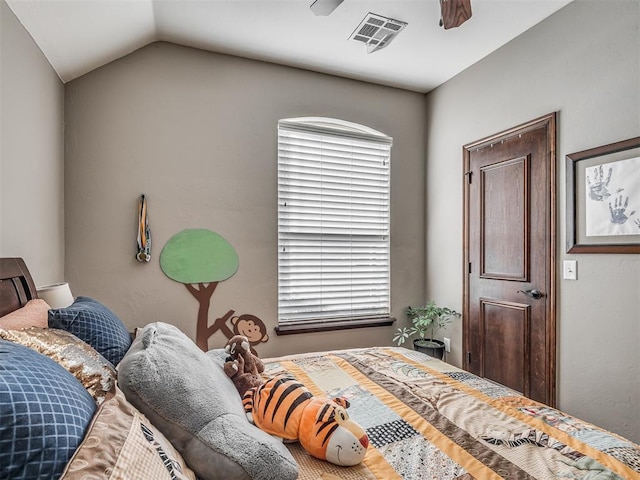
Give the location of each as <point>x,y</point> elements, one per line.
<point>96,325</point>
<point>44,410</point>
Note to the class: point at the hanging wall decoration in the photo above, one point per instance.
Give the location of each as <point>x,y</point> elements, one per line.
<point>144,232</point>
<point>200,259</point>
<point>603,199</point>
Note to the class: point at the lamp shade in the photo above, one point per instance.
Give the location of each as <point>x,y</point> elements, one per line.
<point>57,295</point>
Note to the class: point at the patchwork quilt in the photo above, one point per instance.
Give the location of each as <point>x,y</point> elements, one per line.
<point>429,420</point>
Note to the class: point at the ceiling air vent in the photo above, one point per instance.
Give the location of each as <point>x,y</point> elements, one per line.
<point>376,31</point>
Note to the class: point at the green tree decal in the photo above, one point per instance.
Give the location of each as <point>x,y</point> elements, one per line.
<point>200,259</point>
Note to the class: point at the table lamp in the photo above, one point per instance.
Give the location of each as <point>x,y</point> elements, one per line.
<point>57,295</point>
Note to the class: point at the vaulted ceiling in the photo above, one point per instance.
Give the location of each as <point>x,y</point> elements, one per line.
<point>78,36</point>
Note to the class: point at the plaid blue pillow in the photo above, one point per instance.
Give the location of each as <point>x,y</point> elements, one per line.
<point>44,410</point>
<point>96,325</point>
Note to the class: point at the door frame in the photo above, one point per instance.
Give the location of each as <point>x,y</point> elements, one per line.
<point>549,123</point>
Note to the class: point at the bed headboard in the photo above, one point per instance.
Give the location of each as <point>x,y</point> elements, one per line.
<point>16,285</point>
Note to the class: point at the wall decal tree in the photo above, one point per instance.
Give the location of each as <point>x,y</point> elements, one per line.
<point>200,259</point>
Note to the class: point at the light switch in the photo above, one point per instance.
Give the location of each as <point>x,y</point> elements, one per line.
<point>570,270</point>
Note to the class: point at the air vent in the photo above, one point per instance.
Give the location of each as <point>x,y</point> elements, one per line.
<point>376,31</point>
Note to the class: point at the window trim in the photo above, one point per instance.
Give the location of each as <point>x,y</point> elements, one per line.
<point>312,327</point>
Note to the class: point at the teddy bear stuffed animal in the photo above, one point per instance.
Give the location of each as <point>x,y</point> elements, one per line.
<point>242,366</point>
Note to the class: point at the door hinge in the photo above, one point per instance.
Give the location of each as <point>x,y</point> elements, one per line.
<point>469,176</point>
<point>469,267</point>
<point>468,358</point>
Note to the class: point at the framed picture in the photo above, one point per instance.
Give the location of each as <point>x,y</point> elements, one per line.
<point>603,199</point>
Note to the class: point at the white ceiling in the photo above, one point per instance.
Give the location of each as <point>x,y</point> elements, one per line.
<point>78,36</point>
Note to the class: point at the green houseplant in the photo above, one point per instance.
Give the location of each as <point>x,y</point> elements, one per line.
<point>426,321</point>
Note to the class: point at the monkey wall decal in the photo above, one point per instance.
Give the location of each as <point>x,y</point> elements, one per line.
<point>246,324</point>
<point>251,327</point>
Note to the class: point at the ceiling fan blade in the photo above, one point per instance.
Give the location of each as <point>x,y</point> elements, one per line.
<point>324,7</point>
<point>454,12</point>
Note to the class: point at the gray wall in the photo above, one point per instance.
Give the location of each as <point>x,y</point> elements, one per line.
<point>583,63</point>
<point>196,132</point>
<point>31,154</point>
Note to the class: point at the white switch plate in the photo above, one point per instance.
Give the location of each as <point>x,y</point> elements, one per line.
<point>570,270</point>
<point>447,344</point>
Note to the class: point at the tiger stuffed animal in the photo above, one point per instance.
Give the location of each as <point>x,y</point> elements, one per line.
<point>285,409</point>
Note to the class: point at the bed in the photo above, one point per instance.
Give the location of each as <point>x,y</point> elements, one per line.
<point>170,412</point>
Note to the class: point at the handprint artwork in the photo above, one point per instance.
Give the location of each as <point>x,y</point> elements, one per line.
<point>618,211</point>
<point>598,190</point>
<point>612,196</point>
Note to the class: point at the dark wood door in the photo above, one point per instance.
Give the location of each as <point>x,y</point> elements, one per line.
<point>509,290</point>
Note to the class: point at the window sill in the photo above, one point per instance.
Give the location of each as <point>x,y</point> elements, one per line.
<point>312,327</point>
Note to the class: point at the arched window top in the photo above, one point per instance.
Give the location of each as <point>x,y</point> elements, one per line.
<point>336,126</point>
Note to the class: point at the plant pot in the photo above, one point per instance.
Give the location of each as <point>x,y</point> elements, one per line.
<point>433,348</point>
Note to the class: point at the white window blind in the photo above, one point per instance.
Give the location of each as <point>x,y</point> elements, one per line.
<point>333,222</point>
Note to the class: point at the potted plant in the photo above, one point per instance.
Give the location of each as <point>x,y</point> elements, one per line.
<point>426,321</point>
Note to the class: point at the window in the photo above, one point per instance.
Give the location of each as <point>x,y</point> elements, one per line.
<point>333,222</point>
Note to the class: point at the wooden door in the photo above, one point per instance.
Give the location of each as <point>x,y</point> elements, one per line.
<point>509,288</point>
